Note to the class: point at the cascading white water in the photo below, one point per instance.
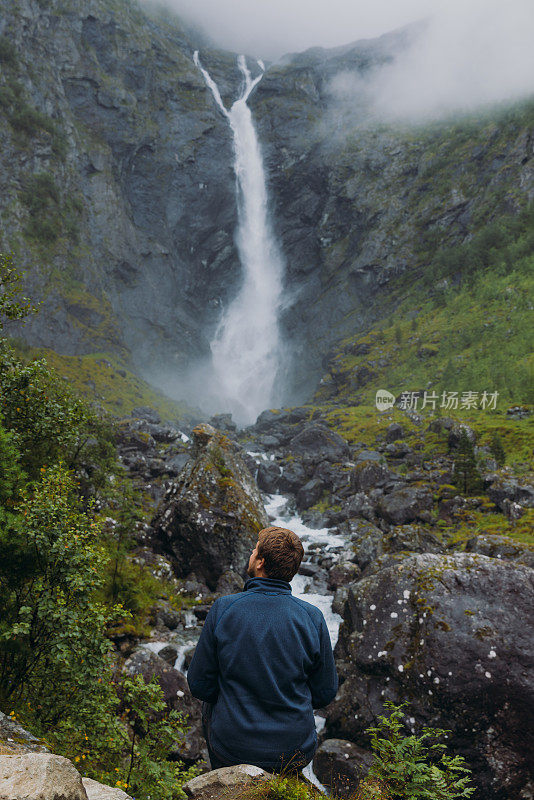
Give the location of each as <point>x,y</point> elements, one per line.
<point>246,348</point>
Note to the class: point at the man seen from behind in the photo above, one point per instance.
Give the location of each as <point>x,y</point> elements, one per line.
<point>263,662</point>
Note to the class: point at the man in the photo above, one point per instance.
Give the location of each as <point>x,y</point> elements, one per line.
<point>263,662</point>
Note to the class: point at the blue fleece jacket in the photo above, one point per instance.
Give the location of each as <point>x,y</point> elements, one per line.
<point>264,660</point>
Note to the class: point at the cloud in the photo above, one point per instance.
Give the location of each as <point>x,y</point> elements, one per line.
<point>468,56</point>
<point>268,29</point>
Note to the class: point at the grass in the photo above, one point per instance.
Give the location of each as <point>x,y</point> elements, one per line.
<point>104,378</point>
<point>476,522</point>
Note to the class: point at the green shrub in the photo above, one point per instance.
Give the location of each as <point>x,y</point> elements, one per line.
<point>467,477</point>
<point>52,631</point>
<point>412,767</point>
<point>12,304</point>
<point>155,731</point>
<point>50,423</point>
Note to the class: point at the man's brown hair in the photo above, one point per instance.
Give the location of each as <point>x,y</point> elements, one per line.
<point>282,551</point>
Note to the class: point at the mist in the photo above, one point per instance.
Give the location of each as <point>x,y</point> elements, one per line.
<point>472,53</point>
<point>461,61</point>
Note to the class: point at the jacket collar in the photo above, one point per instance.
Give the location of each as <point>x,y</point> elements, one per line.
<point>267,585</point>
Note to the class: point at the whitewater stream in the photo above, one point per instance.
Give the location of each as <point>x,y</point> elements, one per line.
<point>246,350</point>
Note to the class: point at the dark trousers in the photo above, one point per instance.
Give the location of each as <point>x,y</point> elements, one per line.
<point>293,764</point>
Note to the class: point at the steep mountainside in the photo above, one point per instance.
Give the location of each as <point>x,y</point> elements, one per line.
<point>118,187</point>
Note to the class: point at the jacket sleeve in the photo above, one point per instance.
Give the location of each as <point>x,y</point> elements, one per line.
<point>203,672</point>
<point>323,680</point>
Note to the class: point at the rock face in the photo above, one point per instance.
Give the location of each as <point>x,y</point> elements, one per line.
<point>210,517</point>
<point>137,203</point>
<point>452,635</point>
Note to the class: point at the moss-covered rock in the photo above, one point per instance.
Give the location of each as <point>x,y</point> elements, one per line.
<point>451,635</point>
<point>211,516</point>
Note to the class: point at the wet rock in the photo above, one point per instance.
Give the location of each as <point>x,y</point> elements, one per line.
<point>210,516</point>
<point>341,574</point>
<point>367,541</point>
<point>188,657</point>
<point>341,765</point>
<point>135,440</point>
<point>293,477</point>
<point>340,597</point>
<point>316,519</point>
<point>398,449</point>
<point>269,419</point>
<point>268,477</point>
<point>414,538</point>
<point>308,569</point>
<point>269,442</point>
<point>169,653</point>
<point>360,505</point>
<point>175,464</point>
<point>453,635</point>
<point>310,493</point>
<point>163,614</point>
<point>405,505</point>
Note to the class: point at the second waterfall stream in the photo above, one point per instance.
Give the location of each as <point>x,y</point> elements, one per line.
<point>246,348</point>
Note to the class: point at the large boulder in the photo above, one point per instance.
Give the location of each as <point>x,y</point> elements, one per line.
<point>405,505</point>
<point>39,776</point>
<point>452,635</point>
<point>504,489</point>
<point>211,515</point>
<point>317,443</point>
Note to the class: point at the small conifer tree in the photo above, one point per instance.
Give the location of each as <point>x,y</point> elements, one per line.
<point>467,477</point>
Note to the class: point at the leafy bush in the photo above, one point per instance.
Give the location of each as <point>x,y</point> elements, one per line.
<point>51,423</point>
<point>412,767</point>
<point>52,629</point>
<point>12,305</point>
<point>155,732</point>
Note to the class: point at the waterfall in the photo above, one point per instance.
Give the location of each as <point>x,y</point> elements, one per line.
<point>246,347</point>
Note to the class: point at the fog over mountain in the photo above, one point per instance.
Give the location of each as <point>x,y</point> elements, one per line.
<point>469,54</point>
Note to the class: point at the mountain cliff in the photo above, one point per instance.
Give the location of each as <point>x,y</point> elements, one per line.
<point>118,193</point>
